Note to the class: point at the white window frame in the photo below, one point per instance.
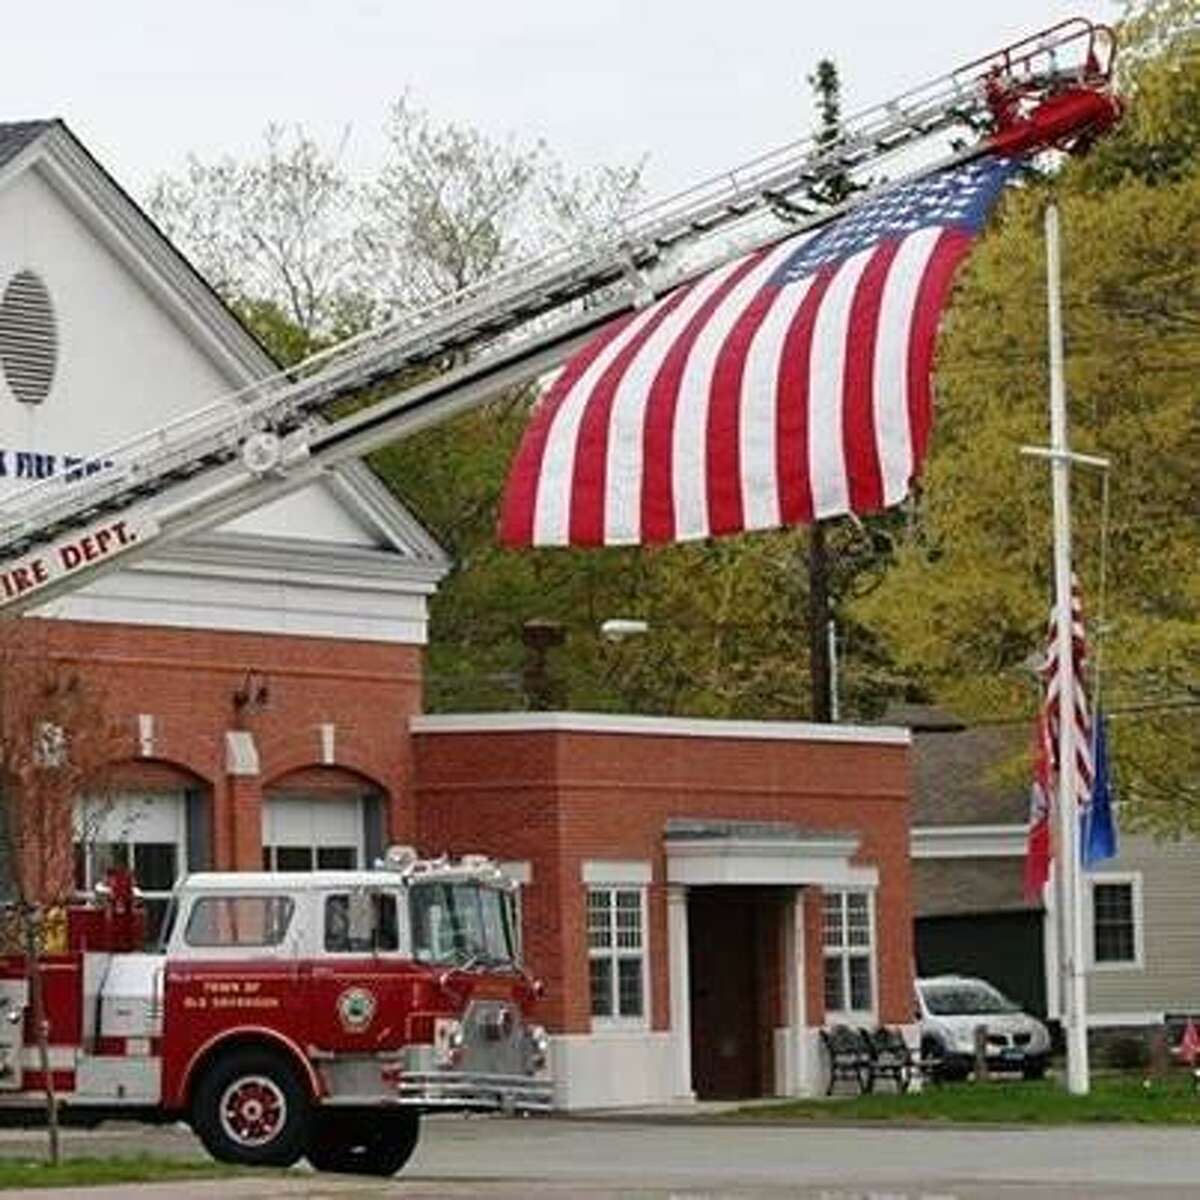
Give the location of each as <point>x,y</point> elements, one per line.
<point>1134,880</point>
<point>845,952</point>
<point>613,877</point>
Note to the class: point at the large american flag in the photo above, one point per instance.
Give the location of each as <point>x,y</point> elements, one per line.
<point>789,385</point>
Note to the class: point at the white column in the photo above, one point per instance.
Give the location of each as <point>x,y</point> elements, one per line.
<point>796,998</point>
<point>680,981</point>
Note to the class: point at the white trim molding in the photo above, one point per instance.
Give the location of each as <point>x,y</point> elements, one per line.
<point>241,753</point>
<point>602,871</point>
<point>969,841</point>
<point>1109,1020</point>
<point>518,870</point>
<point>588,722</point>
<point>823,860</point>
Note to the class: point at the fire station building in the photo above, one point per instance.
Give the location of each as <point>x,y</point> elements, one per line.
<point>700,897</point>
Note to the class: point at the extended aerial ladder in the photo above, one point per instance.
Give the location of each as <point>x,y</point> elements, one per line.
<point>1049,91</point>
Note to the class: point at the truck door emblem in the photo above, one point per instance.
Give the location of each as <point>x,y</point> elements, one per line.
<point>356,1009</point>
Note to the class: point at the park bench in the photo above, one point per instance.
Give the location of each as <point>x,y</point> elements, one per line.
<point>890,1057</point>
<point>849,1058</point>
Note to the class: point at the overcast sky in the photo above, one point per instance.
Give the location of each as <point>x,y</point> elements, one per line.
<point>696,85</point>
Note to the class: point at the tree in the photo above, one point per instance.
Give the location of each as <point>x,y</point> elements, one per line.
<point>57,741</point>
<point>966,603</point>
<point>276,237</point>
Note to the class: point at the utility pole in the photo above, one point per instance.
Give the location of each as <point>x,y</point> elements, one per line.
<point>826,88</point>
<point>819,618</point>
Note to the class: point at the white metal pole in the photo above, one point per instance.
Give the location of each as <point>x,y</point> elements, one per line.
<point>835,701</point>
<point>1067,861</point>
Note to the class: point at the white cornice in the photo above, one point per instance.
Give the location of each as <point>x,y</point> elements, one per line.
<point>360,488</point>
<point>771,861</point>
<point>584,722</point>
<point>969,841</point>
<point>264,558</point>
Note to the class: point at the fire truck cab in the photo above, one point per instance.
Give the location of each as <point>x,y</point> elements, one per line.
<point>292,1015</point>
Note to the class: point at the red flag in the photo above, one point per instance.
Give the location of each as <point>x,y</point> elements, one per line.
<point>1080,710</point>
<point>1037,850</point>
<point>789,385</point>
<point>1189,1045</point>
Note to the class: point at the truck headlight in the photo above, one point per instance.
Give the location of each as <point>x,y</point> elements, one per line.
<point>448,1041</point>
<point>539,1046</point>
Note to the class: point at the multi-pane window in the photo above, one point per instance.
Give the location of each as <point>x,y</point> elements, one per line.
<point>849,951</point>
<point>616,924</point>
<point>1114,922</point>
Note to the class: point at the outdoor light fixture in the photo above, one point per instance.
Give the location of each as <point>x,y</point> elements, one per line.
<point>616,629</point>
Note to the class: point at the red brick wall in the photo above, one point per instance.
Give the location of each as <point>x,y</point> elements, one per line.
<point>558,799</point>
<point>186,680</point>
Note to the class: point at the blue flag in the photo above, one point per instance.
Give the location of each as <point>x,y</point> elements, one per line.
<point>1099,834</point>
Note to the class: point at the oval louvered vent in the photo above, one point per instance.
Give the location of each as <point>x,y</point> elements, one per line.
<point>28,338</point>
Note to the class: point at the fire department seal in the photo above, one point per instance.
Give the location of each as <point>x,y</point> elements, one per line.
<point>356,1008</point>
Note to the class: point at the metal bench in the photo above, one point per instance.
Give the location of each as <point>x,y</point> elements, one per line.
<point>890,1057</point>
<point>849,1058</point>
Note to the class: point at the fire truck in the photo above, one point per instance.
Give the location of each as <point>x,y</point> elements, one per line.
<point>288,1015</point>
<point>318,1015</point>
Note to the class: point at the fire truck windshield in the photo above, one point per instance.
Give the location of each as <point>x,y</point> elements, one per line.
<point>462,924</point>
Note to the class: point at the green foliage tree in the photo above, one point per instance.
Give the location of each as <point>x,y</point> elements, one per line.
<point>965,606</point>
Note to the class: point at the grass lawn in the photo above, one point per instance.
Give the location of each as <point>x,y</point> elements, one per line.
<point>1170,1101</point>
<point>24,1172</point>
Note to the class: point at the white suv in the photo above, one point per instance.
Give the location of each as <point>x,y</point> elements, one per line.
<point>951,1006</point>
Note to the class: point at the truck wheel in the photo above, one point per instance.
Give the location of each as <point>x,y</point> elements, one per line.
<point>252,1107</point>
<point>374,1142</point>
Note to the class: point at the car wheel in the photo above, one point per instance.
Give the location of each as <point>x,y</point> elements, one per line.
<point>357,1143</point>
<point>251,1107</point>
<point>1035,1068</point>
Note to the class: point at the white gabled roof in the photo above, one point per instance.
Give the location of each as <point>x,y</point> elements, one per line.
<point>51,149</point>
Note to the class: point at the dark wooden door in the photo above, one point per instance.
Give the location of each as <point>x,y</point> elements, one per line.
<point>726,1035</point>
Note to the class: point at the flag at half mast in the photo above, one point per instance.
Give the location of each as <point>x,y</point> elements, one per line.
<point>1046,763</point>
<point>789,385</point>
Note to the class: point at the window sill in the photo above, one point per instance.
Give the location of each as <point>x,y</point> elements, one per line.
<point>619,1025</point>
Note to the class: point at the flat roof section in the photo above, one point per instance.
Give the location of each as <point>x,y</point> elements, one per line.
<point>700,727</point>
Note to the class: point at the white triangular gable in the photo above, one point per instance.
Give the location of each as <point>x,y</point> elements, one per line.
<point>141,341</point>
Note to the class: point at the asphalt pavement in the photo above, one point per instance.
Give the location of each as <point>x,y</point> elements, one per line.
<point>654,1157</point>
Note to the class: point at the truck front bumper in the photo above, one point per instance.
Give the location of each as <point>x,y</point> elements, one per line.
<point>477,1091</point>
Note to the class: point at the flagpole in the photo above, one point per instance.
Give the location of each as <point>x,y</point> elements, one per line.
<point>1067,861</point>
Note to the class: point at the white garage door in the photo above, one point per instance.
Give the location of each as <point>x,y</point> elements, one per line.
<point>143,831</point>
<point>302,833</point>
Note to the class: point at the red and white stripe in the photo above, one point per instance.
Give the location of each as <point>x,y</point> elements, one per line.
<point>736,403</point>
<point>1080,706</point>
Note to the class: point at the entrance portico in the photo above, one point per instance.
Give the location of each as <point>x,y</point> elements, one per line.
<point>737,950</point>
